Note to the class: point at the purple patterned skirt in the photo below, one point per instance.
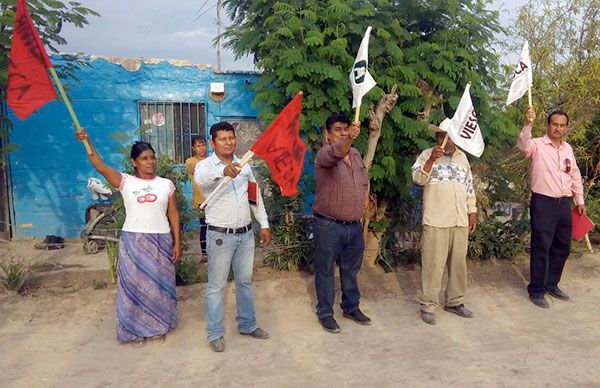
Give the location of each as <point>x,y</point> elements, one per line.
<point>146,297</point>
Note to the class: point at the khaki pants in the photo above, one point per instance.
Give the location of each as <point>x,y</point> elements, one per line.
<point>441,247</point>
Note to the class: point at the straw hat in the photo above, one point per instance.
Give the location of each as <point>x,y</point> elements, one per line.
<point>443,127</point>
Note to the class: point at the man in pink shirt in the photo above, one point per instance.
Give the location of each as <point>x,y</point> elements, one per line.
<point>555,180</point>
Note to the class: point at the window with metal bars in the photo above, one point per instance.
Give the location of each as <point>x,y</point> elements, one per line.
<point>170,126</point>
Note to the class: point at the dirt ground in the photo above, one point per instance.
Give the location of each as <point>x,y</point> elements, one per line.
<point>61,333</point>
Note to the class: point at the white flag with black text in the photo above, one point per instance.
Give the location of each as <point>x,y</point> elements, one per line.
<point>360,78</point>
<point>465,131</point>
<point>523,78</point>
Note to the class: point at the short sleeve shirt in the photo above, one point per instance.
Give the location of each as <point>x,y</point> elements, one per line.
<point>146,202</point>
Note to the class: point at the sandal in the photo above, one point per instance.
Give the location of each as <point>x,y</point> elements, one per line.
<point>158,340</point>
<point>138,342</point>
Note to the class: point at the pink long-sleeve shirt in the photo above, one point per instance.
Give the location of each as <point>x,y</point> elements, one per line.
<point>549,165</point>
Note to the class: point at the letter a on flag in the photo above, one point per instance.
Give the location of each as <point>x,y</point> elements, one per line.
<point>282,149</point>
<point>465,131</point>
<point>29,86</point>
<point>523,78</point>
<point>360,78</point>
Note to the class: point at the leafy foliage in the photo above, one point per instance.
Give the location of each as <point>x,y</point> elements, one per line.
<point>494,239</point>
<point>429,49</point>
<point>186,270</point>
<point>565,53</point>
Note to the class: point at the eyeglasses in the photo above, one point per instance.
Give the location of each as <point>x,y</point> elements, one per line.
<point>567,165</point>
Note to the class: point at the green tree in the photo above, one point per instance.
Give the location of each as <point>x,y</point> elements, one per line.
<point>430,50</point>
<point>565,50</point>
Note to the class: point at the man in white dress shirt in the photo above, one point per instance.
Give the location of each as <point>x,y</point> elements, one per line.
<point>229,239</point>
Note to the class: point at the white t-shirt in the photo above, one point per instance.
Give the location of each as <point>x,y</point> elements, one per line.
<point>146,202</point>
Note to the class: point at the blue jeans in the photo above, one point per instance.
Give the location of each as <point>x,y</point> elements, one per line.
<point>224,251</point>
<point>340,244</point>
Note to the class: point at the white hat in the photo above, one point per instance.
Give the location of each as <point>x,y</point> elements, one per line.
<point>443,127</point>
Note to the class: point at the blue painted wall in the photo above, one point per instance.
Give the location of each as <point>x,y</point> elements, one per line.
<point>50,171</point>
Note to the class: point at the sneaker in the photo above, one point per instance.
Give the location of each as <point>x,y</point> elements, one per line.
<point>217,345</point>
<point>460,310</point>
<point>329,324</point>
<point>358,317</point>
<point>540,301</point>
<point>257,333</point>
<point>428,317</point>
<point>559,294</point>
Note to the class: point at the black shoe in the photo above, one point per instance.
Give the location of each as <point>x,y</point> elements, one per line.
<point>329,324</point>
<point>428,317</point>
<point>258,333</point>
<point>558,294</point>
<point>358,317</point>
<point>540,301</point>
<point>460,310</point>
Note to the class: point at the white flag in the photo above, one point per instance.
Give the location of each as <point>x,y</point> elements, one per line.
<point>465,131</point>
<point>360,79</point>
<point>523,77</point>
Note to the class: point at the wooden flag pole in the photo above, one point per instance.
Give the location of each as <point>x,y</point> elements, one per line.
<point>356,114</point>
<point>227,179</point>
<point>70,109</point>
<point>529,96</point>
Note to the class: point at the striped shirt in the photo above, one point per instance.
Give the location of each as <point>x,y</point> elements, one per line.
<point>229,208</point>
<point>340,188</point>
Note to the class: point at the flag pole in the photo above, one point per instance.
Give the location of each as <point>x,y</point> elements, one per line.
<point>227,179</point>
<point>69,108</point>
<point>357,114</point>
<point>529,96</point>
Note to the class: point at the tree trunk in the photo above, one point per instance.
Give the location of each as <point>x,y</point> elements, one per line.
<point>375,209</point>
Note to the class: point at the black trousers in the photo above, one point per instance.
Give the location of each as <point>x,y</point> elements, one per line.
<point>550,242</point>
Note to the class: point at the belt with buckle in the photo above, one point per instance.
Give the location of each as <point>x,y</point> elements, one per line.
<point>323,216</point>
<point>242,230</point>
<point>554,199</point>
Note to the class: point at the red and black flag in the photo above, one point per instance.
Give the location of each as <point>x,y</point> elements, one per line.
<point>29,86</point>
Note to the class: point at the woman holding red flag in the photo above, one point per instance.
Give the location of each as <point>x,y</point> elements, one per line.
<point>150,245</point>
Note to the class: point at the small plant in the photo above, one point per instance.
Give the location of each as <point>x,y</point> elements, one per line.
<point>187,271</point>
<point>495,239</point>
<point>292,249</point>
<point>98,284</point>
<point>112,250</point>
<point>16,273</point>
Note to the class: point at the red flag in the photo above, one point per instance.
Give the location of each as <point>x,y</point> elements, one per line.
<point>29,86</point>
<point>282,149</point>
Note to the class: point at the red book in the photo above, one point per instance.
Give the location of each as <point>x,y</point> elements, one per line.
<point>581,224</point>
<point>252,197</point>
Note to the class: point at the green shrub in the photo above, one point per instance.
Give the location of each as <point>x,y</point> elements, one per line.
<point>291,249</point>
<point>16,273</point>
<point>495,239</point>
<point>187,270</point>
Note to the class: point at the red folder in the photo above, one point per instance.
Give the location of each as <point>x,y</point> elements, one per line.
<point>252,191</point>
<point>581,224</point>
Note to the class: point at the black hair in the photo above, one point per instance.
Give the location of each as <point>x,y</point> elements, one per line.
<point>198,139</point>
<point>558,112</point>
<point>336,118</point>
<point>140,146</point>
<point>222,126</point>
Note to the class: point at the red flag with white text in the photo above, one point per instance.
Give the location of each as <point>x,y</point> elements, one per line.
<point>282,149</point>
<point>29,86</point>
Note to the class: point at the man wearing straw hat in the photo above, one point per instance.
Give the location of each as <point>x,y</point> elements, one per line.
<point>449,214</point>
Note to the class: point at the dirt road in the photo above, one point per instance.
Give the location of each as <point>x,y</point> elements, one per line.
<point>63,335</point>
